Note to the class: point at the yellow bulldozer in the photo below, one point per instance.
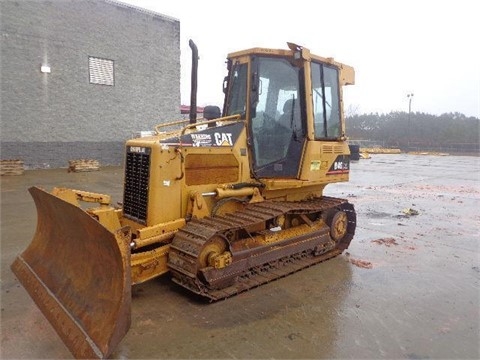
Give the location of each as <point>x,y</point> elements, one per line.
<point>222,204</point>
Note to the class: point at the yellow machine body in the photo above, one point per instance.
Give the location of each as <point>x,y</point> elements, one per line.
<point>242,163</point>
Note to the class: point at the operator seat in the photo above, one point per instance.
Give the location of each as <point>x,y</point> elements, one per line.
<point>291,106</point>
<point>211,112</point>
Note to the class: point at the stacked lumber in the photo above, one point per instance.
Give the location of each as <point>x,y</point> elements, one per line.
<point>380,151</point>
<point>83,165</point>
<point>11,167</point>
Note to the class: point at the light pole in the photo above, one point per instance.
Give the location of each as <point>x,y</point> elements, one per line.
<point>410,97</point>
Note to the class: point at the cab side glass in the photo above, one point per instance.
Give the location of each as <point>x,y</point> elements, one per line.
<point>237,98</point>
<point>326,106</point>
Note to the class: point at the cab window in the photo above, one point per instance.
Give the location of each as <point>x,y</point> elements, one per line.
<point>237,100</point>
<point>326,108</point>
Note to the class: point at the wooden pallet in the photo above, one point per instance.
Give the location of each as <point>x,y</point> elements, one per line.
<point>11,167</point>
<point>83,165</point>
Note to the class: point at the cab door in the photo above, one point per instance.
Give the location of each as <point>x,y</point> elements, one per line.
<point>277,126</point>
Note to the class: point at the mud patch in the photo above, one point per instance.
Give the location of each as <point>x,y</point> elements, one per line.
<point>385,241</point>
<point>360,263</point>
<point>378,215</point>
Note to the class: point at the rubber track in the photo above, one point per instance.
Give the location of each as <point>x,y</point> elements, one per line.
<point>189,241</point>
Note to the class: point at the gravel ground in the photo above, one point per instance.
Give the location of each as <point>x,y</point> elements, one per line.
<point>408,286</point>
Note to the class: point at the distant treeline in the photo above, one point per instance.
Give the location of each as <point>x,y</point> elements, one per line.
<point>452,132</point>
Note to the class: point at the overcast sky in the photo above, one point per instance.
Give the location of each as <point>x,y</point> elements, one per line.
<point>428,48</point>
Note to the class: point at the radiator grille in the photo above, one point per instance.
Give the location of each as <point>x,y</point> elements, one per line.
<point>135,195</point>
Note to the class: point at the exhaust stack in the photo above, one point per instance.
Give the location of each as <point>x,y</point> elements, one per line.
<point>193,90</point>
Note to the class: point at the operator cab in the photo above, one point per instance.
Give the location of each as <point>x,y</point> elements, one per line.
<point>270,91</point>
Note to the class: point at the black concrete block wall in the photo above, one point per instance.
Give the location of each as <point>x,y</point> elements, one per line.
<point>61,114</point>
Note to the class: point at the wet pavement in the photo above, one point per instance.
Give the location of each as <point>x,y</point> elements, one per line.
<point>408,286</point>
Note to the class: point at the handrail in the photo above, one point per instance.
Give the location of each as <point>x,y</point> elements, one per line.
<point>180,122</point>
<point>226,118</point>
<point>172,123</point>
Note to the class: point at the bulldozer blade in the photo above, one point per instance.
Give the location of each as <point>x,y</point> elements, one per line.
<point>78,274</point>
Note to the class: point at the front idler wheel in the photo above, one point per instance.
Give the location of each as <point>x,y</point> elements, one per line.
<point>215,254</point>
<point>338,226</point>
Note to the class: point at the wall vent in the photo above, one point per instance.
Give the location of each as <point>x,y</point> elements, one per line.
<point>101,71</point>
